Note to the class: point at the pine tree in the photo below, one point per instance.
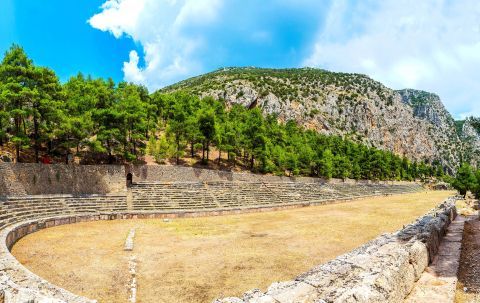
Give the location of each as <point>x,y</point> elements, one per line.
<point>17,93</point>
<point>326,164</point>
<point>464,180</point>
<point>207,127</point>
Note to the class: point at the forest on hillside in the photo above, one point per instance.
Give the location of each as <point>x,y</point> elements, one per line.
<point>107,122</point>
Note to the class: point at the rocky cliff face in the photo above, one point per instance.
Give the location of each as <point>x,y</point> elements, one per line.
<point>470,135</point>
<point>408,122</point>
<point>429,107</point>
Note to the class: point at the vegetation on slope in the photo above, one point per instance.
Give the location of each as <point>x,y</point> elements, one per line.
<point>283,83</point>
<point>409,122</point>
<point>467,179</point>
<point>459,126</point>
<point>123,122</point>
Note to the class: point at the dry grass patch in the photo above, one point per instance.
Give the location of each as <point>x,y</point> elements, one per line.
<point>199,259</point>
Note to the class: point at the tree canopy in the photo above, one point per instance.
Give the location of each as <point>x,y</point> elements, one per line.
<point>107,122</point>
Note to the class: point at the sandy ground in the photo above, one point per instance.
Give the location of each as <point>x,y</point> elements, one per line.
<point>199,259</point>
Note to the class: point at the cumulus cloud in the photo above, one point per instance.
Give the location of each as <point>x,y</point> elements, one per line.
<point>131,68</point>
<point>168,30</point>
<point>431,44</point>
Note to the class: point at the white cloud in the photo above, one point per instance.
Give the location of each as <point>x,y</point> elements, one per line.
<point>118,16</point>
<point>168,30</point>
<point>131,68</point>
<point>430,44</point>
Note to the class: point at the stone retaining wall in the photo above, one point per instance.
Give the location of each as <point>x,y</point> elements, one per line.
<point>17,179</point>
<point>169,173</point>
<point>383,270</point>
<point>39,179</point>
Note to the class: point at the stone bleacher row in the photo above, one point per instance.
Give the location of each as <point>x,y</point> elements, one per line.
<point>18,209</point>
<point>178,196</point>
<point>149,196</point>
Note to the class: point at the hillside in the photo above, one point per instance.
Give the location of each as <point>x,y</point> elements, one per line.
<point>470,135</point>
<point>408,122</point>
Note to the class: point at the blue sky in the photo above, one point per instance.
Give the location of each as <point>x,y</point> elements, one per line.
<point>57,35</point>
<point>432,45</point>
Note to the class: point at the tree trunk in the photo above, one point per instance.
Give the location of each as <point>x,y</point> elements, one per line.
<point>177,160</point>
<point>192,152</point>
<point>132,140</point>
<point>35,138</point>
<point>252,162</point>
<point>203,152</point>
<point>1,138</point>
<point>219,156</point>
<point>17,132</point>
<point>147,130</point>
<point>110,160</point>
<point>17,152</point>
<point>208,150</point>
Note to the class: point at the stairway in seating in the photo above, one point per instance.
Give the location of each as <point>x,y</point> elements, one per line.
<point>129,198</point>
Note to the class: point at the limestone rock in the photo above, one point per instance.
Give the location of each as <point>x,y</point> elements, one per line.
<point>406,122</point>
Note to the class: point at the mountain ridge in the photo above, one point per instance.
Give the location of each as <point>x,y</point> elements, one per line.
<point>408,122</point>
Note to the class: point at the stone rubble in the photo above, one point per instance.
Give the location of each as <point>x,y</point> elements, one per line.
<point>132,266</point>
<point>129,241</point>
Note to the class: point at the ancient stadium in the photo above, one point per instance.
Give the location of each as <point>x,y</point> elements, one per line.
<point>212,151</point>
<point>177,234</point>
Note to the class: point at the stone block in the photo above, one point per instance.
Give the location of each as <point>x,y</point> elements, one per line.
<point>292,292</point>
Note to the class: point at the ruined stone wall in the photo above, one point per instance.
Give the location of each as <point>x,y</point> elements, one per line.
<point>383,270</point>
<point>169,173</point>
<point>18,179</point>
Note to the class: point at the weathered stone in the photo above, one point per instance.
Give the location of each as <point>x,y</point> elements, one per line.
<point>256,296</point>
<point>292,292</point>
<point>229,300</point>
<point>418,258</point>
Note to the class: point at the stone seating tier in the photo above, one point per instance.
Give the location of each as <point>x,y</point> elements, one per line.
<point>24,214</point>
<point>225,194</point>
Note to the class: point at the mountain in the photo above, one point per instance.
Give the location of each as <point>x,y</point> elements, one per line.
<point>469,131</point>
<point>408,122</point>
